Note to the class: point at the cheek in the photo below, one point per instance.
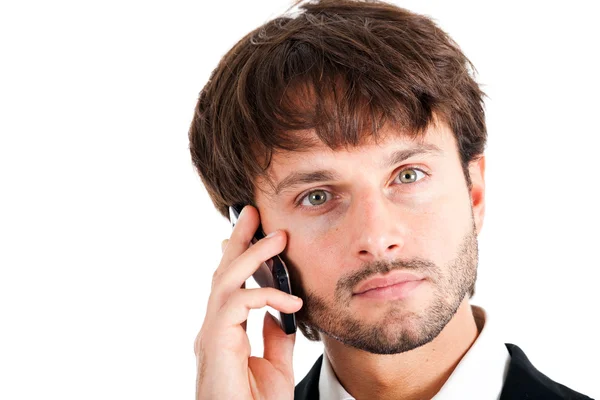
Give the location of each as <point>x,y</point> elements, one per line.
<point>314,257</point>
<point>439,230</point>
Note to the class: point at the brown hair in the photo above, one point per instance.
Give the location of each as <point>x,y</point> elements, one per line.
<point>342,68</point>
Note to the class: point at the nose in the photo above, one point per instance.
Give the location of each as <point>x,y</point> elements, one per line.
<point>378,228</point>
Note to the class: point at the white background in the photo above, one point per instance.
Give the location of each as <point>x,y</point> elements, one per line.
<point>108,240</point>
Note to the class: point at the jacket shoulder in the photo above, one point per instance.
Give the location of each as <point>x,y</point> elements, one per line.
<point>524,381</point>
<point>308,388</point>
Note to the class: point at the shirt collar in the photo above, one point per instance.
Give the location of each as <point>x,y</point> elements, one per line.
<point>480,374</point>
<point>329,386</point>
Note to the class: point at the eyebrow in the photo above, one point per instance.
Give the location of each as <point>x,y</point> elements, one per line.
<point>398,156</point>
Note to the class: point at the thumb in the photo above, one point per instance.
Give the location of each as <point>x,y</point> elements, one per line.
<point>278,346</point>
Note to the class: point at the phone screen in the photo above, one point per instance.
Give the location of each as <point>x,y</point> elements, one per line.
<point>271,273</point>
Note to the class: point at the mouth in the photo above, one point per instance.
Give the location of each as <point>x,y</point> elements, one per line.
<point>397,291</point>
<point>393,280</point>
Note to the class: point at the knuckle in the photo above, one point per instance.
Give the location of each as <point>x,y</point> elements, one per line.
<point>238,296</point>
<point>242,298</point>
<point>216,278</point>
<point>198,344</point>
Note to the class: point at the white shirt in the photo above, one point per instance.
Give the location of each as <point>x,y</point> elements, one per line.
<point>480,374</point>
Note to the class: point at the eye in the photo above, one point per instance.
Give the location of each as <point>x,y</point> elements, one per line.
<point>315,198</point>
<point>410,175</point>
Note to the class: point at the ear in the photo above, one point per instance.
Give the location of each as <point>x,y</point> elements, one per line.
<point>476,172</point>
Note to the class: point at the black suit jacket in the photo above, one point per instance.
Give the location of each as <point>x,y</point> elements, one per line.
<point>522,381</point>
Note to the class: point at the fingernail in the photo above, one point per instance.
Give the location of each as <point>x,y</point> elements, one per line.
<point>270,235</point>
<point>294,297</point>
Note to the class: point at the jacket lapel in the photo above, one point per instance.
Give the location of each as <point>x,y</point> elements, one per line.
<point>524,381</point>
<point>308,388</point>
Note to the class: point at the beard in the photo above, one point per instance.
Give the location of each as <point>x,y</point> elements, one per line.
<point>400,328</point>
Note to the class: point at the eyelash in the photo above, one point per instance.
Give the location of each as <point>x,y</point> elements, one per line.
<point>298,203</point>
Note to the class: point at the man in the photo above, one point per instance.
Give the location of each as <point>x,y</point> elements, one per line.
<point>355,133</point>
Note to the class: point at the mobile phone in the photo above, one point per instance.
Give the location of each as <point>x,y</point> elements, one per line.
<point>271,273</point>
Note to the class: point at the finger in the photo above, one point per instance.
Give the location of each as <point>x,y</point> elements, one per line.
<point>236,309</point>
<point>245,265</point>
<point>224,245</point>
<point>242,234</point>
<point>245,322</point>
<point>278,346</point>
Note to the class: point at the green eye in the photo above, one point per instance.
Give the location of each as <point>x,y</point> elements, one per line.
<point>317,197</point>
<point>410,175</point>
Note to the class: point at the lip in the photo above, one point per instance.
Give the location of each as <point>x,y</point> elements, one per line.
<point>399,291</point>
<point>392,278</point>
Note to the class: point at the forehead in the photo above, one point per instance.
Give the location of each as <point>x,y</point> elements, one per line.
<point>320,156</point>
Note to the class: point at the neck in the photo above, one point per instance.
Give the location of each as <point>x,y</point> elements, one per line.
<point>416,374</point>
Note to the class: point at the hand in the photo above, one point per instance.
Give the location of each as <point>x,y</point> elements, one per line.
<point>225,368</point>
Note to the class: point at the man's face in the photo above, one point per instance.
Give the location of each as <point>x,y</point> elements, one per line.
<point>401,204</point>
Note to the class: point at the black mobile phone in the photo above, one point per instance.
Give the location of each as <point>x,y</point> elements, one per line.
<point>271,273</point>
